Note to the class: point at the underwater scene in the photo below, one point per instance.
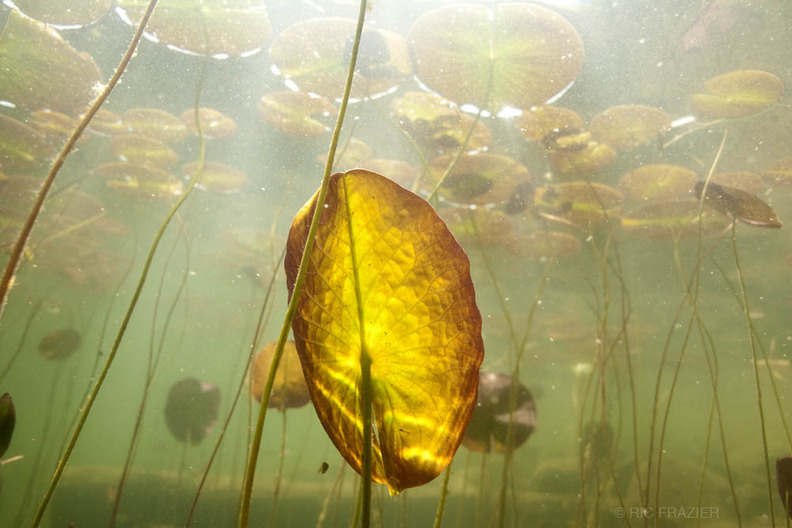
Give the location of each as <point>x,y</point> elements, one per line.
<point>395,263</point>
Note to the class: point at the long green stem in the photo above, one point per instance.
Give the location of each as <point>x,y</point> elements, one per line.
<point>244,511</point>
<point>21,241</point>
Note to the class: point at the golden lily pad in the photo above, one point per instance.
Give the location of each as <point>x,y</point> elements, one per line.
<point>779,172</point>
<point>53,125</point>
<point>744,180</point>
<point>494,420</point>
<point>657,182</point>
<point>543,123</point>
<point>7,422</point>
<point>214,124</point>
<point>289,389</point>
<point>513,54</point>
<point>295,113</point>
<point>670,219</point>
<point>59,344</point>
<point>154,123</point>
<point>478,179</point>
<point>580,203</point>
<point>386,286</point>
<point>22,147</point>
<point>629,126</point>
<point>41,70</point>
<point>314,55</point>
<point>593,157</point>
<point>545,245</point>
<point>738,204</point>
<point>737,94</point>
<point>64,12</point>
<point>216,177</point>
<point>219,28</point>
<point>437,124</point>
<point>142,150</point>
<point>479,227</point>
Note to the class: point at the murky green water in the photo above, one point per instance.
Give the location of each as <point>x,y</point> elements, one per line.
<point>649,339</point>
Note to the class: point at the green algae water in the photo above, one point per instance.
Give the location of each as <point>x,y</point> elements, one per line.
<point>618,174</point>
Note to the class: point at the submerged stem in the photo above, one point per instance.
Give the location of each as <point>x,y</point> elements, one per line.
<point>19,246</point>
<point>244,511</point>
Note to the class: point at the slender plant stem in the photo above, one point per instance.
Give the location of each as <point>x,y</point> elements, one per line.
<point>443,496</point>
<point>244,511</point>
<point>19,245</point>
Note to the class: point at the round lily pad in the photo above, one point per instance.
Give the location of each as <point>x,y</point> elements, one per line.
<point>216,177</point>
<point>289,389</point>
<point>41,70</point>
<point>477,178</point>
<point>22,147</point>
<point>142,150</point>
<point>489,427</point>
<point>296,113</point>
<point>154,123</point>
<point>59,344</point>
<point>437,124</point>
<point>479,227</point>
<point>64,12</point>
<point>582,161</point>
<point>219,28</point>
<point>669,219</point>
<point>737,94</point>
<point>214,123</point>
<point>581,203</point>
<point>191,410</point>
<point>512,54</point>
<point>544,123</point>
<point>629,126</point>
<point>657,182</point>
<point>314,55</point>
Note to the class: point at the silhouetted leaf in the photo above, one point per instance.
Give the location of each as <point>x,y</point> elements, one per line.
<point>386,281</point>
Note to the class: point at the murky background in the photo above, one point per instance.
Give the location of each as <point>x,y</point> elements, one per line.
<point>613,337</point>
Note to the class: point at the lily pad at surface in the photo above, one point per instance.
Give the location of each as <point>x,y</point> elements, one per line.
<point>657,182</point>
<point>737,94</point>
<point>22,148</point>
<point>511,54</point>
<point>59,344</point>
<point>314,54</point>
<point>629,126</point>
<point>478,179</point>
<point>214,124</point>
<point>209,27</point>
<point>64,12</point>
<point>289,389</point>
<point>670,219</point>
<point>386,282</point>
<point>41,70</point>
<point>216,177</point>
<point>295,113</point>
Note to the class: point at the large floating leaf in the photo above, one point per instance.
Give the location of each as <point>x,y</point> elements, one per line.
<point>314,55</point>
<point>208,27</point>
<point>737,94</point>
<point>416,321</point>
<point>41,70</point>
<point>22,148</point>
<point>289,389</point>
<point>64,12</point>
<point>511,54</point>
<point>629,126</point>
